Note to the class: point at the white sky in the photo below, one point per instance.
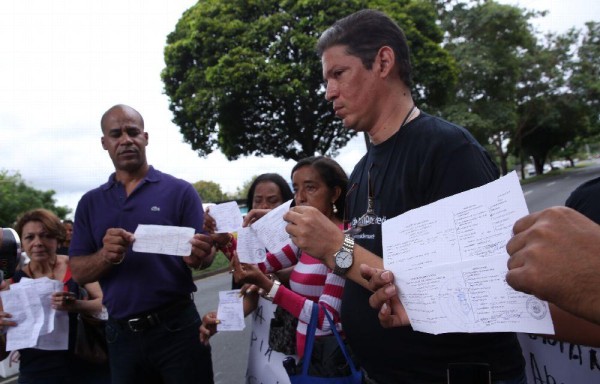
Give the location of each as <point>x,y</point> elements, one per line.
<point>64,62</point>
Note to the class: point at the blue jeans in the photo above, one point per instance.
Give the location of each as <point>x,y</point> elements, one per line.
<point>169,352</point>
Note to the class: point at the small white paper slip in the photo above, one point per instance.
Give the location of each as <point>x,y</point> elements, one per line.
<point>227,216</point>
<point>230,311</point>
<point>270,228</point>
<point>163,239</point>
<point>249,247</point>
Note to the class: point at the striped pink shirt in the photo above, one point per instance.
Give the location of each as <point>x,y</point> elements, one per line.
<point>311,281</point>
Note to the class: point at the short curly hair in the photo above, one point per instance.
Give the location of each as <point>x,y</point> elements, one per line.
<point>49,220</point>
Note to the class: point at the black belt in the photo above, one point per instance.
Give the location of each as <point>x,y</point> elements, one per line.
<point>148,320</point>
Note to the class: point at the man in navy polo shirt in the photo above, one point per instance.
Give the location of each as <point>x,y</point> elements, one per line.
<point>153,324</point>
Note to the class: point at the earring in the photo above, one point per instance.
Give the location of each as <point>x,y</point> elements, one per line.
<point>334,208</point>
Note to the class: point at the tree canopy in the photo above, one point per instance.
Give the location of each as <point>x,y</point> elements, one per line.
<point>209,191</point>
<point>242,76</point>
<point>17,197</point>
<point>488,40</point>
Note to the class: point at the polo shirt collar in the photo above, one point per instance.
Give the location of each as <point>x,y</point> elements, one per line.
<point>152,176</point>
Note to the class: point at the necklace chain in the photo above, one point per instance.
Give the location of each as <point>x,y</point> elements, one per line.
<point>52,276</point>
<point>408,115</point>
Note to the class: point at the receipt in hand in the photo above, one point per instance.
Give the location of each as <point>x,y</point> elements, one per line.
<point>163,239</point>
<point>230,311</point>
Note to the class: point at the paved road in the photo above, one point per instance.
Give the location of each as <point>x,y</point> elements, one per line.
<point>556,189</point>
<point>229,349</point>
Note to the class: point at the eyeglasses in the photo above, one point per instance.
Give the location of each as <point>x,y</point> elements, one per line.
<point>369,217</point>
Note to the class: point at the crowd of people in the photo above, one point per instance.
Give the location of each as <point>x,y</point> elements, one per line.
<point>154,332</point>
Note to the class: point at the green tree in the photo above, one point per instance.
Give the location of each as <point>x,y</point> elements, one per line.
<point>555,122</point>
<point>209,191</point>
<point>585,79</point>
<point>553,115</point>
<point>488,40</point>
<point>243,76</point>
<point>241,193</point>
<point>17,197</point>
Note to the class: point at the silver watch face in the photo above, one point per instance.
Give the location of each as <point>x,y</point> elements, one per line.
<point>343,259</point>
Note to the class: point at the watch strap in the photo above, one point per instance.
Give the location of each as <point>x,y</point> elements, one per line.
<point>273,291</point>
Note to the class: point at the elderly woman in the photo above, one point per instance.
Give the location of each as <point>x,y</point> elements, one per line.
<point>41,231</point>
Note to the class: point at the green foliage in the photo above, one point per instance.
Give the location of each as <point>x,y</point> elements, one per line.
<point>241,193</point>
<point>243,76</point>
<point>585,79</point>
<point>17,197</point>
<point>220,263</point>
<point>209,191</point>
<point>487,40</point>
<point>557,98</point>
<point>546,128</point>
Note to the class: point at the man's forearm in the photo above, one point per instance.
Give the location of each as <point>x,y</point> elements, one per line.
<point>361,256</point>
<point>90,268</point>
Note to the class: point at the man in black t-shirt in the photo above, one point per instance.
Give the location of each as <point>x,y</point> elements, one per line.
<point>586,199</point>
<point>415,159</point>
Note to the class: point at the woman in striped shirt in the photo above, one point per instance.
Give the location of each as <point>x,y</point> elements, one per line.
<point>319,182</point>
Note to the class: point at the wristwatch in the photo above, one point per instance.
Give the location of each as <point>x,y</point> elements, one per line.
<point>344,257</point>
<point>271,294</point>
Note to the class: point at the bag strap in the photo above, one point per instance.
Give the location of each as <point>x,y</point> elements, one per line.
<point>340,341</point>
<point>310,339</point>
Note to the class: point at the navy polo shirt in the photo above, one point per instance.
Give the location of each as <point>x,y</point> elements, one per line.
<point>143,281</point>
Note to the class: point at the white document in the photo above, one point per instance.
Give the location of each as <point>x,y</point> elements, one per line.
<point>163,239</point>
<point>270,228</point>
<point>58,339</point>
<point>44,287</point>
<point>449,262</point>
<point>38,324</point>
<point>249,247</point>
<point>227,216</point>
<point>230,311</point>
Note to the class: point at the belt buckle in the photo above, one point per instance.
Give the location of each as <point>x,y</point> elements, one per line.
<point>136,324</point>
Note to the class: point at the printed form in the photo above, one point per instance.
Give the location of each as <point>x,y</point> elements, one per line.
<point>449,262</point>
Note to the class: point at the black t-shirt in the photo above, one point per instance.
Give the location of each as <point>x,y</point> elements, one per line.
<point>586,199</point>
<point>428,159</point>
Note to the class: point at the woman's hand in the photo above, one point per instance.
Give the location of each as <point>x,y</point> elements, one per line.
<point>249,274</point>
<point>248,289</point>
<point>254,215</point>
<point>64,301</point>
<point>5,321</point>
<point>221,239</point>
<point>208,327</point>
<point>210,225</point>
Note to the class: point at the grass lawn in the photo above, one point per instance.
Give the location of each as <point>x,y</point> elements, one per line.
<point>220,263</point>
